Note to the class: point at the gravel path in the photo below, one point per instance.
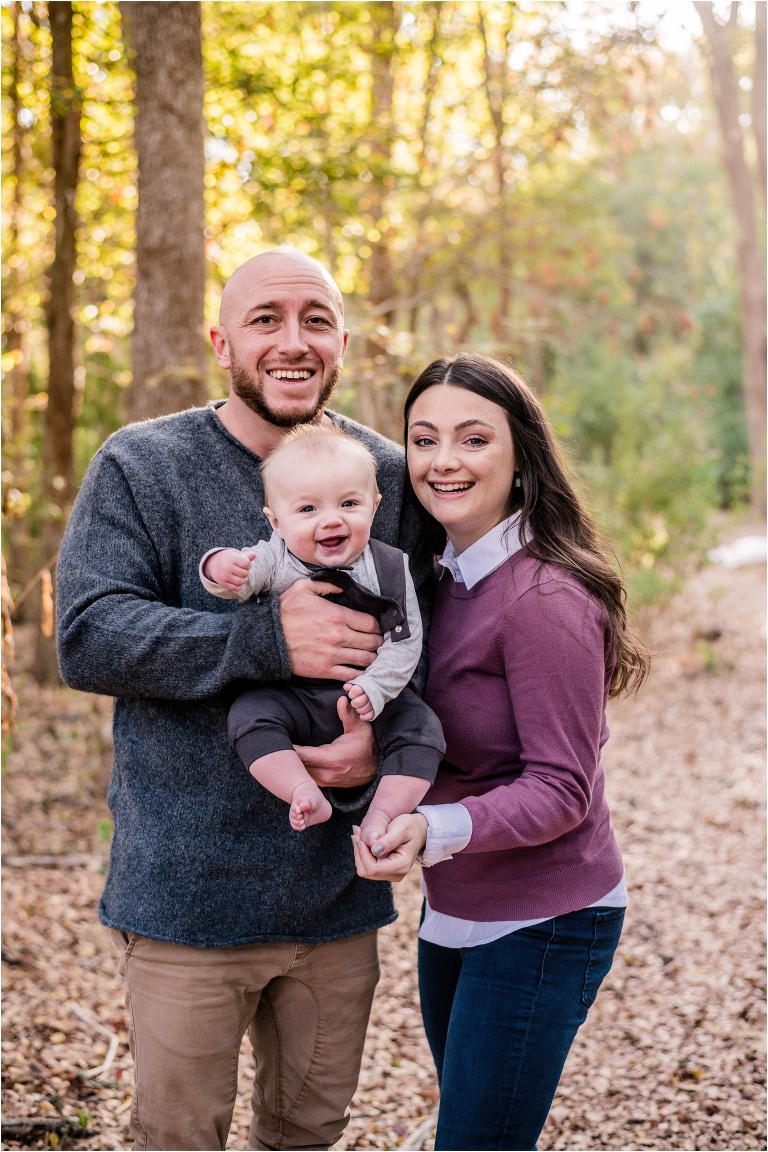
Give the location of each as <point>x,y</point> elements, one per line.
<point>672,1055</point>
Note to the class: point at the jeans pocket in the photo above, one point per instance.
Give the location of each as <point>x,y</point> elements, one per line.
<point>605,938</point>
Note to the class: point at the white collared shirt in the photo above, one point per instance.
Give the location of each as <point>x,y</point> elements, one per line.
<point>485,555</point>
<point>449,826</point>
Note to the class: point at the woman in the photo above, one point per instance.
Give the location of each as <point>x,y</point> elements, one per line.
<point>524,882</point>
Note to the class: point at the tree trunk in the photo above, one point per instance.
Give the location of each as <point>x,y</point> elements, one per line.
<point>750,253</point>
<point>168,346</point>
<point>376,401</point>
<point>21,562</point>
<point>496,85</point>
<point>760,94</point>
<point>58,475</point>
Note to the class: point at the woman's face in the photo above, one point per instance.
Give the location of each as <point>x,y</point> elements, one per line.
<point>461,460</point>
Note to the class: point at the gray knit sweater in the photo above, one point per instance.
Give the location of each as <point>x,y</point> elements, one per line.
<point>201,854</point>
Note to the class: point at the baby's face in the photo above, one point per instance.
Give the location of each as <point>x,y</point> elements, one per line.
<point>323,505</point>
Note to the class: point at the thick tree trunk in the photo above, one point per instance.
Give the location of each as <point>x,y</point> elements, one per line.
<point>58,475</point>
<point>168,348</point>
<point>750,250</point>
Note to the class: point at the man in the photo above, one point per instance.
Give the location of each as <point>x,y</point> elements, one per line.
<point>226,919</point>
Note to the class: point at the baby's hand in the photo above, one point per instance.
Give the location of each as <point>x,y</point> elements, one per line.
<point>359,701</point>
<point>373,828</point>
<point>229,568</point>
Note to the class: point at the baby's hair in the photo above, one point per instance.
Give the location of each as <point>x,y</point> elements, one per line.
<point>319,438</point>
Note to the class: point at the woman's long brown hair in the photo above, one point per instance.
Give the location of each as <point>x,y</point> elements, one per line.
<point>554,524</point>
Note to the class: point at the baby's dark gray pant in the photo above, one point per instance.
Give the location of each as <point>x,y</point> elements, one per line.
<point>277,716</point>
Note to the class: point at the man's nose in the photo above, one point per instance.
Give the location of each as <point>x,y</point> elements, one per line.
<point>292,339</point>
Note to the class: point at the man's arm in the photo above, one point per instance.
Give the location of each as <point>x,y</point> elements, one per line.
<point>117,635</point>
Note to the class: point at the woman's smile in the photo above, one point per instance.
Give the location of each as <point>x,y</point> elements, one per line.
<point>450,489</point>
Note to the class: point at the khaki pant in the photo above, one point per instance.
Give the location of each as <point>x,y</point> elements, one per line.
<point>306,1009</point>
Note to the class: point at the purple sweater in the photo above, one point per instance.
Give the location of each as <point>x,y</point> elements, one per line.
<point>519,673</point>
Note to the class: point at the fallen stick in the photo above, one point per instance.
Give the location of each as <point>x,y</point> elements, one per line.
<point>114,1041</point>
<point>21,1127</point>
<point>46,861</point>
<point>417,1139</point>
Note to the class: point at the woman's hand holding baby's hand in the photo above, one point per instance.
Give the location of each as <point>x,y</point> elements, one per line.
<point>229,568</point>
<point>396,851</point>
<point>359,701</point>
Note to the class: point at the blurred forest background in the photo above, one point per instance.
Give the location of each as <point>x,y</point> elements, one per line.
<point>576,187</point>
<point>560,184</point>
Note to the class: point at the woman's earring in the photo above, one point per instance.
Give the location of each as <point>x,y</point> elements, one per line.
<point>517,481</point>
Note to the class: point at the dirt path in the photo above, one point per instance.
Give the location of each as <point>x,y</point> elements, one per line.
<point>672,1055</point>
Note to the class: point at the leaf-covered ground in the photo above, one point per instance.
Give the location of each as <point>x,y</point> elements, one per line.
<point>672,1055</point>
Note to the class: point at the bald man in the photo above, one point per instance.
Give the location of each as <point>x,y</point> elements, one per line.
<point>226,920</point>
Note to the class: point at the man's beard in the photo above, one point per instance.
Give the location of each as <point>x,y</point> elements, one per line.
<point>249,389</point>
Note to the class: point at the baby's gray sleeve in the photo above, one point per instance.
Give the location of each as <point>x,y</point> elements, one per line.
<point>260,576</point>
<point>395,663</point>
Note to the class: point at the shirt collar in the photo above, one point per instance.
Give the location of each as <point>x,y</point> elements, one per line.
<point>485,555</point>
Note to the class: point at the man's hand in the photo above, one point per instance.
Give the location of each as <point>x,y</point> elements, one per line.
<point>228,567</point>
<point>325,640</point>
<point>350,761</point>
<point>396,852</point>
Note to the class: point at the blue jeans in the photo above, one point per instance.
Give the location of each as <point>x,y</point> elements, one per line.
<point>500,1019</point>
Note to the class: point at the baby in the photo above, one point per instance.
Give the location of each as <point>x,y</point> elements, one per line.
<point>321,492</point>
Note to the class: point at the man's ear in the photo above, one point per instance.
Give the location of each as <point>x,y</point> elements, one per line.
<point>272,519</point>
<point>220,346</point>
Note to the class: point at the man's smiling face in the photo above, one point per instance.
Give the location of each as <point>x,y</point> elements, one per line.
<point>283,337</point>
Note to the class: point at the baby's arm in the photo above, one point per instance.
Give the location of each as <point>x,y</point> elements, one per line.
<point>228,568</point>
<point>394,665</point>
<point>238,574</point>
<point>394,796</point>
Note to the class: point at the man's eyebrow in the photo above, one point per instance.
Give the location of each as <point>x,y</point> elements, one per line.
<point>275,305</point>
<point>319,304</point>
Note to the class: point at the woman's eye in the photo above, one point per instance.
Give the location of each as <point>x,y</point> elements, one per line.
<point>476,441</point>
<point>423,441</point>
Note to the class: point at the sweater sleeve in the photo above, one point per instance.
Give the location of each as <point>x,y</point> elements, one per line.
<point>118,635</point>
<point>553,646</point>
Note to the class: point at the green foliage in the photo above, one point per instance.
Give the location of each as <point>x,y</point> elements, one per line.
<point>105,829</point>
<point>531,185</point>
<point>643,442</point>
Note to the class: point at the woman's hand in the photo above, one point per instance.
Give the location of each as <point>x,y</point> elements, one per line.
<point>396,852</point>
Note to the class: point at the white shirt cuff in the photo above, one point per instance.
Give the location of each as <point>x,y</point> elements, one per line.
<point>449,829</point>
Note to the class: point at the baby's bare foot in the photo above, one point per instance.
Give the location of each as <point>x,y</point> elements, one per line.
<point>308,807</point>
